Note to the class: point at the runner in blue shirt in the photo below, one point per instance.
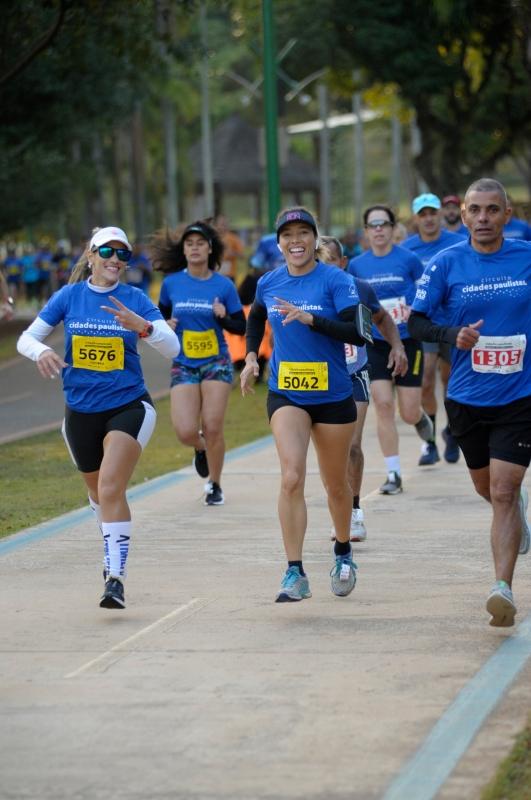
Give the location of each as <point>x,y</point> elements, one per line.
<point>517,229</point>
<point>431,239</point>
<point>267,256</point>
<point>199,304</point>
<point>358,368</point>
<point>392,272</point>
<point>483,287</point>
<point>451,211</point>
<point>312,310</point>
<point>109,415</point>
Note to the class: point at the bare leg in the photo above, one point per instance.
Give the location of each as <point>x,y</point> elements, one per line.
<point>332,443</point>
<point>291,428</point>
<point>214,399</point>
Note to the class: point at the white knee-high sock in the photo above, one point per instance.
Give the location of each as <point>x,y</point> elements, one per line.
<point>96,509</point>
<point>116,537</point>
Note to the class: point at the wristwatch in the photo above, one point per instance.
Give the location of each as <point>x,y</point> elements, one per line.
<point>147,331</point>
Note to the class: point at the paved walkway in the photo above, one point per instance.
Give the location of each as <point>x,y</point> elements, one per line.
<point>204,689</point>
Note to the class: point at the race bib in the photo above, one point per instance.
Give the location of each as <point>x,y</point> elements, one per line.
<point>397,308</point>
<point>200,344</point>
<point>303,376</point>
<point>499,354</point>
<point>351,353</point>
<point>99,353</point>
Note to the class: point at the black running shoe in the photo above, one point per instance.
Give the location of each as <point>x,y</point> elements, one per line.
<point>200,462</point>
<point>214,495</point>
<point>451,451</point>
<point>113,594</point>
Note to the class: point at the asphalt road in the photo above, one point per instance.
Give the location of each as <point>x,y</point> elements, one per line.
<point>30,404</point>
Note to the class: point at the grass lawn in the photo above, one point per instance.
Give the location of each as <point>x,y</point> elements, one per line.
<point>38,480</point>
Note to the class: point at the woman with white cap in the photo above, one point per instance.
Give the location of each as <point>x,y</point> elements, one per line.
<point>109,414</point>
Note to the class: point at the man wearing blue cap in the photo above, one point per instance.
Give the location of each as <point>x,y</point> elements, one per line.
<point>430,240</point>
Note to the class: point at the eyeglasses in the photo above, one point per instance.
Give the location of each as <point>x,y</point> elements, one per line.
<point>106,251</point>
<point>379,223</point>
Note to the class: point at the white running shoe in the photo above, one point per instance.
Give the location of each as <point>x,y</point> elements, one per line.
<point>358,531</point>
<point>500,604</point>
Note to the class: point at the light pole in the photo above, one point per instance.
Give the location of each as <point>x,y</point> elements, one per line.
<point>206,138</point>
<point>271,112</point>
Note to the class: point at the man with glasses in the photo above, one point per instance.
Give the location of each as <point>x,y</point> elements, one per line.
<point>430,240</point>
<point>392,272</point>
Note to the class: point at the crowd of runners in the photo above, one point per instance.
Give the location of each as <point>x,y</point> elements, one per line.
<point>348,325</point>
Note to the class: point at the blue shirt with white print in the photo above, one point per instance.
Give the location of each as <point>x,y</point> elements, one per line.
<point>393,278</point>
<point>191,300</point>
<point>468,286</point>
<point>103,369</point>
<point>302,357</point>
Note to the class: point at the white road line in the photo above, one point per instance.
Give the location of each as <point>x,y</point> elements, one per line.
<point>196,603</point>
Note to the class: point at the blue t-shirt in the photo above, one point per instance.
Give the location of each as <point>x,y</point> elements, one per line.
<point>191,299</point>
<point>103,369</point>
<point>267,256</point>
<point>517,229</point>
<point>496,287</point>
<point>310,366</point>
<point>393,278</point>
<point>426,250</point>
<point>356,355</point>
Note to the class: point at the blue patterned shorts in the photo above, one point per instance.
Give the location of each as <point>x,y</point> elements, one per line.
<point>218,369</point>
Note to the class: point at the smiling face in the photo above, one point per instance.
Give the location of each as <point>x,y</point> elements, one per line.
<point>107,271</point>
<point>297,241</point>
<point>485,214</point>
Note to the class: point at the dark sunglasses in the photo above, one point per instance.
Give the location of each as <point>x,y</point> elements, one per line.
<point>378,223</point>
<point>106,251</point>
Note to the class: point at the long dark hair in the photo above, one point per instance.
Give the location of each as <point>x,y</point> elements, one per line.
<point>166,247</point>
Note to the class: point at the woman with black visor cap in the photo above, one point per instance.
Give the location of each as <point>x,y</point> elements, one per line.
<point>312,310</point>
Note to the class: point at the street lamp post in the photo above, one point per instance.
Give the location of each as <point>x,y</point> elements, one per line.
<point>271,113</point>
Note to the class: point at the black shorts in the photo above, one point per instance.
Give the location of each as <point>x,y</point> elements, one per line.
<point>338,413</point>
<point>84,433</point>
<point>502,432</point>
<point>378,355</point>
<point>361,385</point>
<point>443,350</point>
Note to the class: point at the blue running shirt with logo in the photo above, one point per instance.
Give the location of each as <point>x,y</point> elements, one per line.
<point>103,369</point>
<point>393,278</point>
<point>356,355</point>
<point>306,366</point>
<point>427,250</point>
<point>468,286</point>
<point>191,299</point>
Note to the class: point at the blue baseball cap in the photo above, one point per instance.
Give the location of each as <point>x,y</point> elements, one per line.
<point>426,200</point>
<point>296,215</point>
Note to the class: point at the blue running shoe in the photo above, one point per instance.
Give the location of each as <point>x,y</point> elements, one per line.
<point>526,533</point>
<point>451,450</point>
<point>294,587</point>
<point>343,575</point>
<point>429,454</point>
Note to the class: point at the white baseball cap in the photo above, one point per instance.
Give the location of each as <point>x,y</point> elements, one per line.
<point>105,235</point>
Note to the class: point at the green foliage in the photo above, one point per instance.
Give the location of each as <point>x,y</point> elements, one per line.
<point>513,778</point>
<point>38,480</point>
